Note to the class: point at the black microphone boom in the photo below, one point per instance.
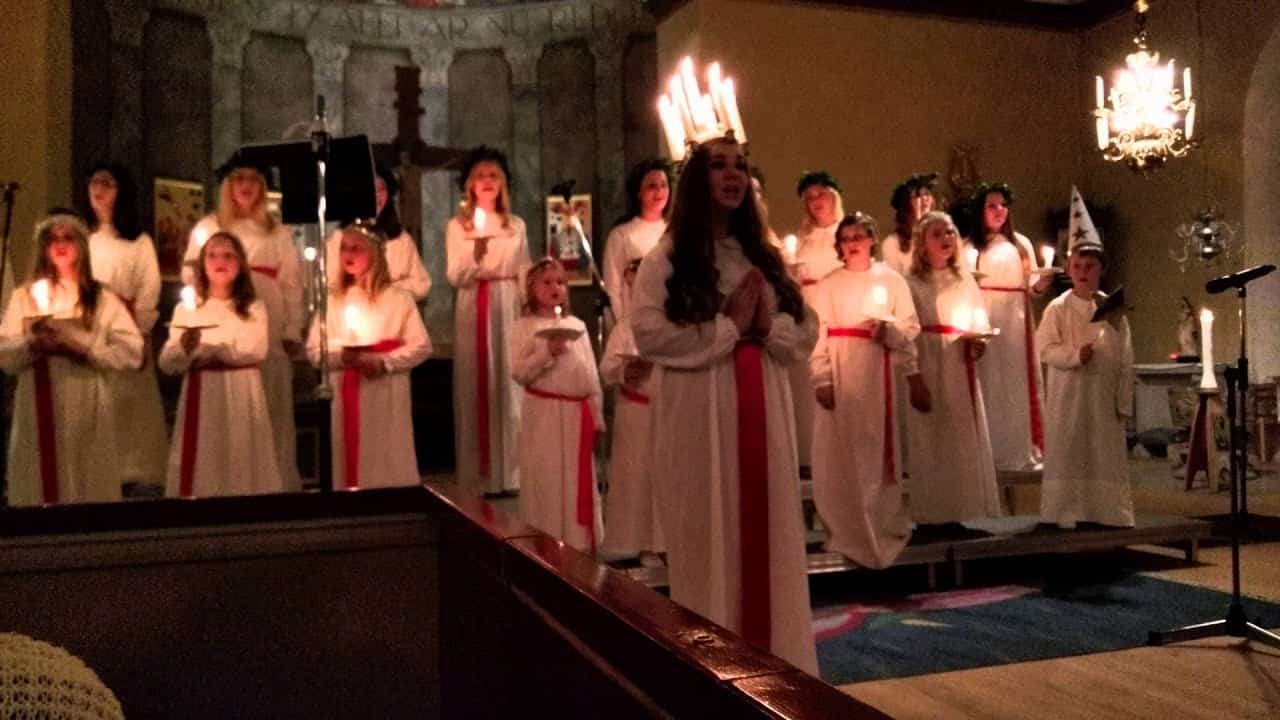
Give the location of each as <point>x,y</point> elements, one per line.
<point>1237,279</point>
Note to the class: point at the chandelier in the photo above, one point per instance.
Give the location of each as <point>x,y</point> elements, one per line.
<point>1207,238</point>
<point>1149,120</point>
<point>690,117</point>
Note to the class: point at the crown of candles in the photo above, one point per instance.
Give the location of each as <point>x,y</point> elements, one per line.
<point>690,116</point>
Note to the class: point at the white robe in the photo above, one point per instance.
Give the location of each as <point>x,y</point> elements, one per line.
<point>1010,370</point>
<point>631,240</point>
<point>1086,465</point>
<point>235,451</point>
<point>891,254</point>
<point>695,416</point>
<point>551,431</point>
<point>282,296</point>
<point>129,269</point>
<point>816,257</point>
<point>953,478</point>
<point>857,469</point>
<point>403,263</point>
<point>502,265</point>
<point>631,510</point>
<point>85,413</point>
<point>384,452</point>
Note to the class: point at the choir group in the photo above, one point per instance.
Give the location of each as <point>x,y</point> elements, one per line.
<point>905,371</point>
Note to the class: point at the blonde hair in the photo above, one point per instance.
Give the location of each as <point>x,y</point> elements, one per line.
<point>379,274</point>
<point>806,220</point>
<point>228,212</point>
<point>538,268</point>
<point>919,255</point>
<point>467,208</point>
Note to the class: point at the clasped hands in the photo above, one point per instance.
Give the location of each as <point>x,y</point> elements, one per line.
<point>748,307</point>
<point>368,364</point>
<point>54,338</point>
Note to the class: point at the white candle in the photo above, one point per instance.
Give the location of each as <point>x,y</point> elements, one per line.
<point>188,296</point>
<point>962,317</point>
<point>971,254</point>
<point>351,317</point>
<point>678,101</point>
<point>1186,83</point>
<point>200,235</point>
<point>559,312</point>
<point>880,296</point>
<point>1208,381</point>
<point>1104,135</point>
<point>671,127</point>
<point>981,322</point>
<point>1047,253</point>
<point>689,83</point>
<point>40,293</point>
<point>731,109</point>
<point>1099,90</point>
<point>789,244</point>
<point>1191,121</point>
<point>478,219</point>
<point>716,88</point>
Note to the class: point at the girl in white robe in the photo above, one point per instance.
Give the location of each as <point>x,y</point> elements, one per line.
<point>404,263</point>
<point>1010,370</point>
<point>814,258</point>
<point>561,414</point>
<point>724,423</point>
<point>222,439</point>
<point>648,195</point>
<point>866,327</point>
<point>953,478</point>
<point>911,199</point>
<point>62,334</point>
<point>1086,465</point>
<point>375,337</point>
<point>123,258</point>
<point>486,250</point>
<point>277,282</point>
<point>631,506</point>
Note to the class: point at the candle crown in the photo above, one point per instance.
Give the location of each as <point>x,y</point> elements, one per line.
<point>690,117</point>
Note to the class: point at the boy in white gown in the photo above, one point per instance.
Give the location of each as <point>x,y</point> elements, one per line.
<point>222,440</point>
<point>561,415</point>
<point>61,335</point>
<point>1090,394</point>
<point>724,440</point>
<point>866,327</point>
<point>375,337</point>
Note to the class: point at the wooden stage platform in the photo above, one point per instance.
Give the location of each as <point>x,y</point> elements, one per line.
<point>1009,537</point>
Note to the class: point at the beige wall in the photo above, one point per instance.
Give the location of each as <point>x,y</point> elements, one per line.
<point>35,125</point>
<point>873,96</point>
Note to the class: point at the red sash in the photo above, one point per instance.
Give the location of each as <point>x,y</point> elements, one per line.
<point>586,441</point>
<point>270,271</point>
<point>753,495</point>
<point>633,395</point>
<point>46,433</point>
<point>808,281</point>
<point>969,369</point>
<point>482,368</point>
<point>191,424</point>
<point>1033,372</point>
<point>351,414</point>
<point>890,451</point>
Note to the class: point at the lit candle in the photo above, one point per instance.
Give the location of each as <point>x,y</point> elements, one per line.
<point>309,254</point>
<point>1186,83</point>
<point>351,317</point>
<point>880,296</point>
<point>716,88</point>
<point>188,298</point>
<point>1104,135</point>
<point>559,312</point>
<point>971,254</point>
<point>962,317</point>
<point>731,109</point>
<point>1047,253</point>
<point>1099,88</point>
<point>200,235</point>
<point>789,244</point>
<point>478,219</point>
<point>1208,381</point>
<point>692,93</point>
<point>981,322</point>
<point>681,106</point>
<point>1191,121</point>
<point>40,293</point>
<point>671,127</point>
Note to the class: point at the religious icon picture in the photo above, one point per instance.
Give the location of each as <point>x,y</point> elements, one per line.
<point>568,235</point>
<point>179,205</point>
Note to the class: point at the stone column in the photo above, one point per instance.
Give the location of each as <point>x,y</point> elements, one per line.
<point>526,142</point>
<point>610,141</point>
<point>328,65</point>
<point>128,20</point>
<point>227,40</point>
<point>436,189</point>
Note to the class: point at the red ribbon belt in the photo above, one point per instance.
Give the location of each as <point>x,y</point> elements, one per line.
<point>45,433</point>
<point>1033,372</point>
<point>191,424</point>
<point>753,495</point>
<point>969,369</point>
<point>270,271</point>
<point>482,368</point>
<point>586,441</point>
<point>890,454</point>
<point>351,413</point>
<point>633,395</point>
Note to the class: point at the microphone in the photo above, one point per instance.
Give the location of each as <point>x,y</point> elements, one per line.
<point>1237,279</point>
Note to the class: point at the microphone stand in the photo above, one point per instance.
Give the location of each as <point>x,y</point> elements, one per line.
<point>320,296</point>
<point>1236,623</point>
<point>603,306</point>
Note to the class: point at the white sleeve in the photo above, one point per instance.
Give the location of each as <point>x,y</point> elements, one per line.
<point>407,271</point>
<point>118,346</point>
<point>460,262</point>
<point>416,346</point>
<point>696,345</point>
<point>148,275</point>
<point>15,346</point>
<point>249,345</point>
<point>1055,351</point>
<point>820,361</point>
<point>290,278</point>
<point>530,358</point>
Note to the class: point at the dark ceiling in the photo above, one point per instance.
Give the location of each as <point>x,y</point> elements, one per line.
<point>1055,14</point>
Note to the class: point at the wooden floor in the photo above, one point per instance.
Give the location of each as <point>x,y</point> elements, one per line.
<point>1215,679</point>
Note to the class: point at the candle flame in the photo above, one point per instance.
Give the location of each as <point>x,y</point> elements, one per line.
<point>962,317</point>
<point>1206,315</point>
<point>559,311</point>
<point>880,295</point>
<point>188,297</point>
<point>478,219</point>
<point>980,320</point>
<point>789,242</point>
<point>1047,253</point>
<point>309,254</point>
<point>971,254</point>
<point>40,293</point>
<point>351,316</point>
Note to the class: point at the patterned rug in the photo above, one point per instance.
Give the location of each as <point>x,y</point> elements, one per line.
<point>962,629</point>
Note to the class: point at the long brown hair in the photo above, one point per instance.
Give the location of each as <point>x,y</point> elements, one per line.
<point>981,235</point>
<point>90,289</point>
<point>379,275</point>
<point>241,288</point>
<point>692,295</point>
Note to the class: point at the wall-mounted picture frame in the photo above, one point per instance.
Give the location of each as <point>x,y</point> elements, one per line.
<point>563,241</point>
<point>179,205</point>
